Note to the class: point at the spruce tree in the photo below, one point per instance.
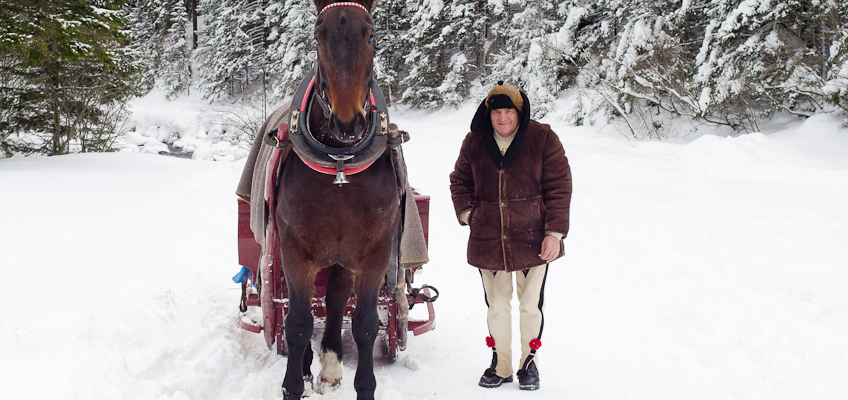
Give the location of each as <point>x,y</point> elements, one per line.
<point>70,75</point>
<point>225,50</point>
<point>424,55</point>
<point>174,67</point>
<point>291,27</point>
<point>526,58</point>
<point>445,52</point>
<point>392,21</point>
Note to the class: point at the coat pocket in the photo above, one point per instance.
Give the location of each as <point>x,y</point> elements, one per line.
<point>526,220</point>
<point>484,221</point>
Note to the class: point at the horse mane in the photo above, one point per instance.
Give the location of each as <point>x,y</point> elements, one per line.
<point>369,4</point>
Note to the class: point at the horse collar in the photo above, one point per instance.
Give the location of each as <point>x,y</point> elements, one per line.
<point>337,160</point>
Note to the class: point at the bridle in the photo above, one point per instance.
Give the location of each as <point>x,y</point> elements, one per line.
<point>321,95</point>
<point>334,160</point>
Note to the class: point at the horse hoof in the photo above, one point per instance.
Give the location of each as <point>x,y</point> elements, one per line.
<point>289,396</point>
<point>327,385</point>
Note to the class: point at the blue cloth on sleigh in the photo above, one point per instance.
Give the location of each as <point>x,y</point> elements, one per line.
<point>244,274</point>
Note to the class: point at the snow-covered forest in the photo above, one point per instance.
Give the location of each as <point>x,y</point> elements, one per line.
<point>727,62</point>
<point>730,63</point>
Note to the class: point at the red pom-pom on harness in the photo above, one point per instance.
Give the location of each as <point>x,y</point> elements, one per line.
<point>490,341</point>
<point>535,344</point>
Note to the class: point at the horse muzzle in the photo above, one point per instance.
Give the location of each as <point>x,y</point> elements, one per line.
<point>348,133</point>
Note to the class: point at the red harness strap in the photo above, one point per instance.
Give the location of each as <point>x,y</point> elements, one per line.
<point>332,171</point>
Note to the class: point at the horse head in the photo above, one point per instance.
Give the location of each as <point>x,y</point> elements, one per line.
<point>344,35</point>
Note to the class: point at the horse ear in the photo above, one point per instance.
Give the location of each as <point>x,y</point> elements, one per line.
<point>370,4</point>
<point>320,4</point>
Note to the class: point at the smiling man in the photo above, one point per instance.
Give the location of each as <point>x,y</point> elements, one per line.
<point>512,185</point>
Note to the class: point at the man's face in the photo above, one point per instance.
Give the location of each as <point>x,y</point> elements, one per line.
<point>504,120</point>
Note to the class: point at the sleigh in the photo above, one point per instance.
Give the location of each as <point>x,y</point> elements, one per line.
<point>264,291</point>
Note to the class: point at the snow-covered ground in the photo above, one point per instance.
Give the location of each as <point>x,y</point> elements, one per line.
<point>707,268</point>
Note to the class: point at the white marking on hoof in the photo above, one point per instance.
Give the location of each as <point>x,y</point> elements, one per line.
<point>307,386</point>
<point>331,371</point>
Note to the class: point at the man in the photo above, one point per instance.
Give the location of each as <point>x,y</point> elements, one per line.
<point>512,185</point>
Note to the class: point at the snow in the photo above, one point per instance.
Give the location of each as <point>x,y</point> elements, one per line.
<point>706,267</point>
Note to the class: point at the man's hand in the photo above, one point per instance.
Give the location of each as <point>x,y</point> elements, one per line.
<point>550,248</point>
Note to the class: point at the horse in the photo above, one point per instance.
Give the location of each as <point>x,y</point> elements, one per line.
<point>348,226</point>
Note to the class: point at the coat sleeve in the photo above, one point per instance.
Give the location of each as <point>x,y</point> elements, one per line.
<point>462,182</point>
<point>556,185</point>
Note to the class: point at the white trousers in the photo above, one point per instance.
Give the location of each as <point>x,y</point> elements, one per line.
<point>531,289</point>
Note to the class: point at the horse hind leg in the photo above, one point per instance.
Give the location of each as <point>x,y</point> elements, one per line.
<point>339,288</point>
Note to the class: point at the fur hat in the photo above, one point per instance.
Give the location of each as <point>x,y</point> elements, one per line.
<point>504,96</point>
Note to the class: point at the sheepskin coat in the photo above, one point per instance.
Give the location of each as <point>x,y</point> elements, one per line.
<point>515,198</point>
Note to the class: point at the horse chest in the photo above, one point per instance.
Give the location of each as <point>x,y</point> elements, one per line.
<point>311,209</point>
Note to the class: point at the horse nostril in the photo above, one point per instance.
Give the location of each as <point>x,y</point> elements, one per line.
<point>344,131</point>
<point>359,123</point>
<point>333,124</point>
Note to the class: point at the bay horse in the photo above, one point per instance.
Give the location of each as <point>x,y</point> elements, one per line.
<point>347,226</point>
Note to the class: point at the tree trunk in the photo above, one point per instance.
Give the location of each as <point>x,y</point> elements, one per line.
<point>57,123</point>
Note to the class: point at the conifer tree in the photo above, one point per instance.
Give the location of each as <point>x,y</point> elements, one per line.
<point>225,50</point>
<point>445,43</point>
<point>527,58</point>
<point>291,26</point>
<point>67,75</point>
<point>392,21</point>
<point>159,35</point>
<point>175,70</point>
<point>424,56</point>
<point>145,39</point>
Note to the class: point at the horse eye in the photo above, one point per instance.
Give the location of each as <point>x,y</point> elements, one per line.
<point>318,42</point>
<point>371,39</point>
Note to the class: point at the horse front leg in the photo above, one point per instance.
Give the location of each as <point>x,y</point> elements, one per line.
<point>365,324</point>
<point>339,288</point>
<point>298,329</point>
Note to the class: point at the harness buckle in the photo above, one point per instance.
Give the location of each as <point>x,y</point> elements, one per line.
<point>384,123</point>
<point>295,115</point>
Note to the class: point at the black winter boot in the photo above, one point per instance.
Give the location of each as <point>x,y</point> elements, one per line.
<point>490,379</point>
<point>528,379</point>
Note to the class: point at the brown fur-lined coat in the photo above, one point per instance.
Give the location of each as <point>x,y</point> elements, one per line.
<point>515,199</point>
